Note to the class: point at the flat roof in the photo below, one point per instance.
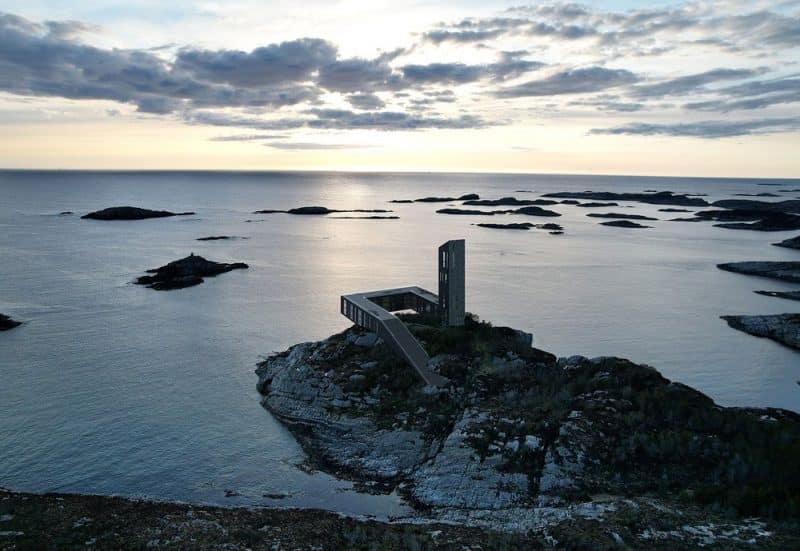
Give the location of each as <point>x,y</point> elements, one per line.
<point>363,300</point>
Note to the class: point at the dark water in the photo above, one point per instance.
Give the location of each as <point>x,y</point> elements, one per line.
<point>114,388</point>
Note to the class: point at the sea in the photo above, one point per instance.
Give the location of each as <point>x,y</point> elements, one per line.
<point>113,388</point>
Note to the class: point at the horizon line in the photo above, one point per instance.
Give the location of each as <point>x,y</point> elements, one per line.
<point>388,171</point>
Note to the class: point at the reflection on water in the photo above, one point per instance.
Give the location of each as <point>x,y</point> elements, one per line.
<point>114,388</point>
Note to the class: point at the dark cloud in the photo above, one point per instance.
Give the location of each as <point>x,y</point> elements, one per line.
<point>340,119</point>
<point>367,102</point>
<point>287,62</point>
<point>573,81</point>
<point>706,129</point>
<point>443,73</point>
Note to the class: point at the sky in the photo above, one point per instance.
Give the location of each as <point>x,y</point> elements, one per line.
<point>610,87</point>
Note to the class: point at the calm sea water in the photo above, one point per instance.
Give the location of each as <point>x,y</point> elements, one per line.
<point>116,389</point>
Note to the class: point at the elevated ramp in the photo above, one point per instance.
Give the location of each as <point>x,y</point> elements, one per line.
<point>396,334</point>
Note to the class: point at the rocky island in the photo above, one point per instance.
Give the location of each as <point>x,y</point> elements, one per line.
<point>7,323</point>
<point>657,198</point>
<point>783,328</point>
<point>186,272</point>
<point>623,224</point>
<point>131,213</point>
<point>791,243</point>
<point>785,271</point>
<point>520,441</point>
<point>314,210</point>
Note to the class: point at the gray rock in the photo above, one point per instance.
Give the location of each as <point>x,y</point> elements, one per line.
<point>785,271</point>
<point>783,328</point>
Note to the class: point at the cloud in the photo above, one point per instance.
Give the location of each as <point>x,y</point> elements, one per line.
<point>572,81</point>
<point>314,145</point>
<point>705,129</point>
<point>692,83</point>
<point>248,137</point>
<point>438,37</point>
<point>339,119</point>
<point>366,102</point>
<point>286,62</point>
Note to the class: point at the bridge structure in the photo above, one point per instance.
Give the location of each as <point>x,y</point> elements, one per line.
<point>373,310</point>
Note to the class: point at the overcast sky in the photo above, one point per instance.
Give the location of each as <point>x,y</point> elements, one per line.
<point>672,88</point>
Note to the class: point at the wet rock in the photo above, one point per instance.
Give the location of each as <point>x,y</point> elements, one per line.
<point>791,243</point>
<point>185,272</point>
<point>659,198</point>
<point>131,213</point>
<point>623,224</point>
<point>782,328</point>
<point>785,271</point>
<point>620,216</point>
<point>7,323</point>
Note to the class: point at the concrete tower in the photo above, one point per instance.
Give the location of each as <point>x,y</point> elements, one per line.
<point>451,282</point>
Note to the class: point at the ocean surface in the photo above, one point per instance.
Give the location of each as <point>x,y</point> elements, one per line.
<point>114,388</point>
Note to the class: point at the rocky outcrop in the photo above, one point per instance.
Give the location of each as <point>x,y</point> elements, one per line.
<point>314,210</point>
<point>7,323</point>
<point>673,210</point>
<point>130,213</point>
<point>520,440</point>
<point>791,243</point>
<point>470,212</point>
<point>658,198</point>
<point>185,272</point>
<point>790,205</point>
<point>219,238</point>
<point>467,197</point>
<point>509,202</point>
<point>783,328</point>
<point>623,224</point>
<point>785,271</point>
<point>595,204</point>
<point>791,295</point>
<point>620,216</point>
<point>523,226</point>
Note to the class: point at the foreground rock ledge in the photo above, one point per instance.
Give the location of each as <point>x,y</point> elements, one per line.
<point>524,441</point>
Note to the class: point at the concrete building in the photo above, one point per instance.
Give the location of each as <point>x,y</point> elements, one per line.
<point>373,310</point>
<point>451,282</point>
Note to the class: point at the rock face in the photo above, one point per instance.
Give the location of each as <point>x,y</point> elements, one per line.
<point>521,440</point>
<point>791,243</point>
<point>785,271</point>
<point>623,224</point>
<point>658,198</point>
<point>185,272</point>
<point>7,323</point>
<point>783,328</point>
<point>131,213</point>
